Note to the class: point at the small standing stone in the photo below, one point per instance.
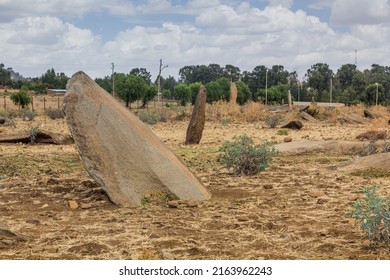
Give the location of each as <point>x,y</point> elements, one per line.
<point>233,93</point>
<point>196,126</point>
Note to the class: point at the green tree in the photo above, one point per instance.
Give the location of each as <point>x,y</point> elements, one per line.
<point>217,90</point>
<point>105,83</point>
<point>194,88</point>
<point>129,87</point>
<point>232,72</point>
<point>21,97</point>
<point>243,93</point>
<point>183,93</point>
<point>5,76</point>
<point>318,77</point>
<point>143,73</point>
<point>148,95</point>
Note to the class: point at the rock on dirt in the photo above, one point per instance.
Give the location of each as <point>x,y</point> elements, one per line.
<point>377,161</point>
<point>307,117</point>
<point>372,135</point>
<point>307,146</point>
<point>351,118</point>
<point>120,152</point>
<point>293,125</point>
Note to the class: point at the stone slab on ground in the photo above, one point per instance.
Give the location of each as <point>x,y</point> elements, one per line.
<point>307,146</point>
<point>120,152</point>
<point>377,161</point>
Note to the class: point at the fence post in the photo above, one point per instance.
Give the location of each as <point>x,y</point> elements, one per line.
<point>44,104</point>
<point>32,103</point>
<point>5,104</point>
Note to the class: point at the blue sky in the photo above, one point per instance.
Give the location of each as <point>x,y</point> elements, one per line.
<point>88,35</point>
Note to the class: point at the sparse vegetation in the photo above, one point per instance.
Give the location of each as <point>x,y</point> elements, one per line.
<point>244,157</point>
<point>55,113</point>
<point>28,115</point>
<point>282,132</point>
<point>34,133</point>
<point>149,118</point>
<point>373,215</point>
<point>273,121</point>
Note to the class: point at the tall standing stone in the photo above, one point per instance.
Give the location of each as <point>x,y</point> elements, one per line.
<point>120,152</point>
<point>233,93</point>
<point>198,118</point>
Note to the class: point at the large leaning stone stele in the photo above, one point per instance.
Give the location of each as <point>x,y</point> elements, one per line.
<point>120,152</point>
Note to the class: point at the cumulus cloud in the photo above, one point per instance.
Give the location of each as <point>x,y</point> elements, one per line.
<point>349,12</point>
<point>215,31</point>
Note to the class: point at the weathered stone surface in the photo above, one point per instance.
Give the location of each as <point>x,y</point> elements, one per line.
<point>233,93</point>
<point>306,146</point>
<point>369,115</point>
<point>307,117</point>
<point>351,118</point>
<point>46,137</point>
<point>120,152</point>
<point>372,135</point>
<point>377,161</point>
<point>293,125</point>
<point>196,125</point>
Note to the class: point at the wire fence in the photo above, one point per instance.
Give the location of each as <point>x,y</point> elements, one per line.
<point>39,103</point>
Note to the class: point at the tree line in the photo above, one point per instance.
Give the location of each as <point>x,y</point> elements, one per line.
<point>347,85</point>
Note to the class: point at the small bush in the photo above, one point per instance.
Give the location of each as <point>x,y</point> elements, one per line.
<point>22,97</point>
<point>373,215</point>
<point>27,115</point>
<point>55,113</point>
<point>245,157</point>
<point>282,132</point>
<point>273,121</point>
<point>224,121</point>
<point>149,118</point>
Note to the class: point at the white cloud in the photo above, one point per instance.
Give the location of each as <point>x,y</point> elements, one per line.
<point>35,39</point>
<point>349,12</point>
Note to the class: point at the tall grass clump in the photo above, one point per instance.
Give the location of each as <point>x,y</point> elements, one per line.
<point>244,157</point>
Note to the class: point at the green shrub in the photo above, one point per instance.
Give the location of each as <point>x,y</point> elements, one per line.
<point>373,215</point>
<point>273,121</point>
<point>244,157</point>
<point>282,132</point>
<point>149,118</point>
<point>55,113</point>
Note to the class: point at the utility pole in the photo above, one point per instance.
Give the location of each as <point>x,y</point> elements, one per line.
<point>266,86</point>
<point>113,78</point>
<point>159,79</point>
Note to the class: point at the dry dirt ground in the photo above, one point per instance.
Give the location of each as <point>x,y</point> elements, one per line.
<point>296,209</point>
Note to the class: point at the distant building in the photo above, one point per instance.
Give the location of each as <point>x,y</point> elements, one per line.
<point>56,92</point>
